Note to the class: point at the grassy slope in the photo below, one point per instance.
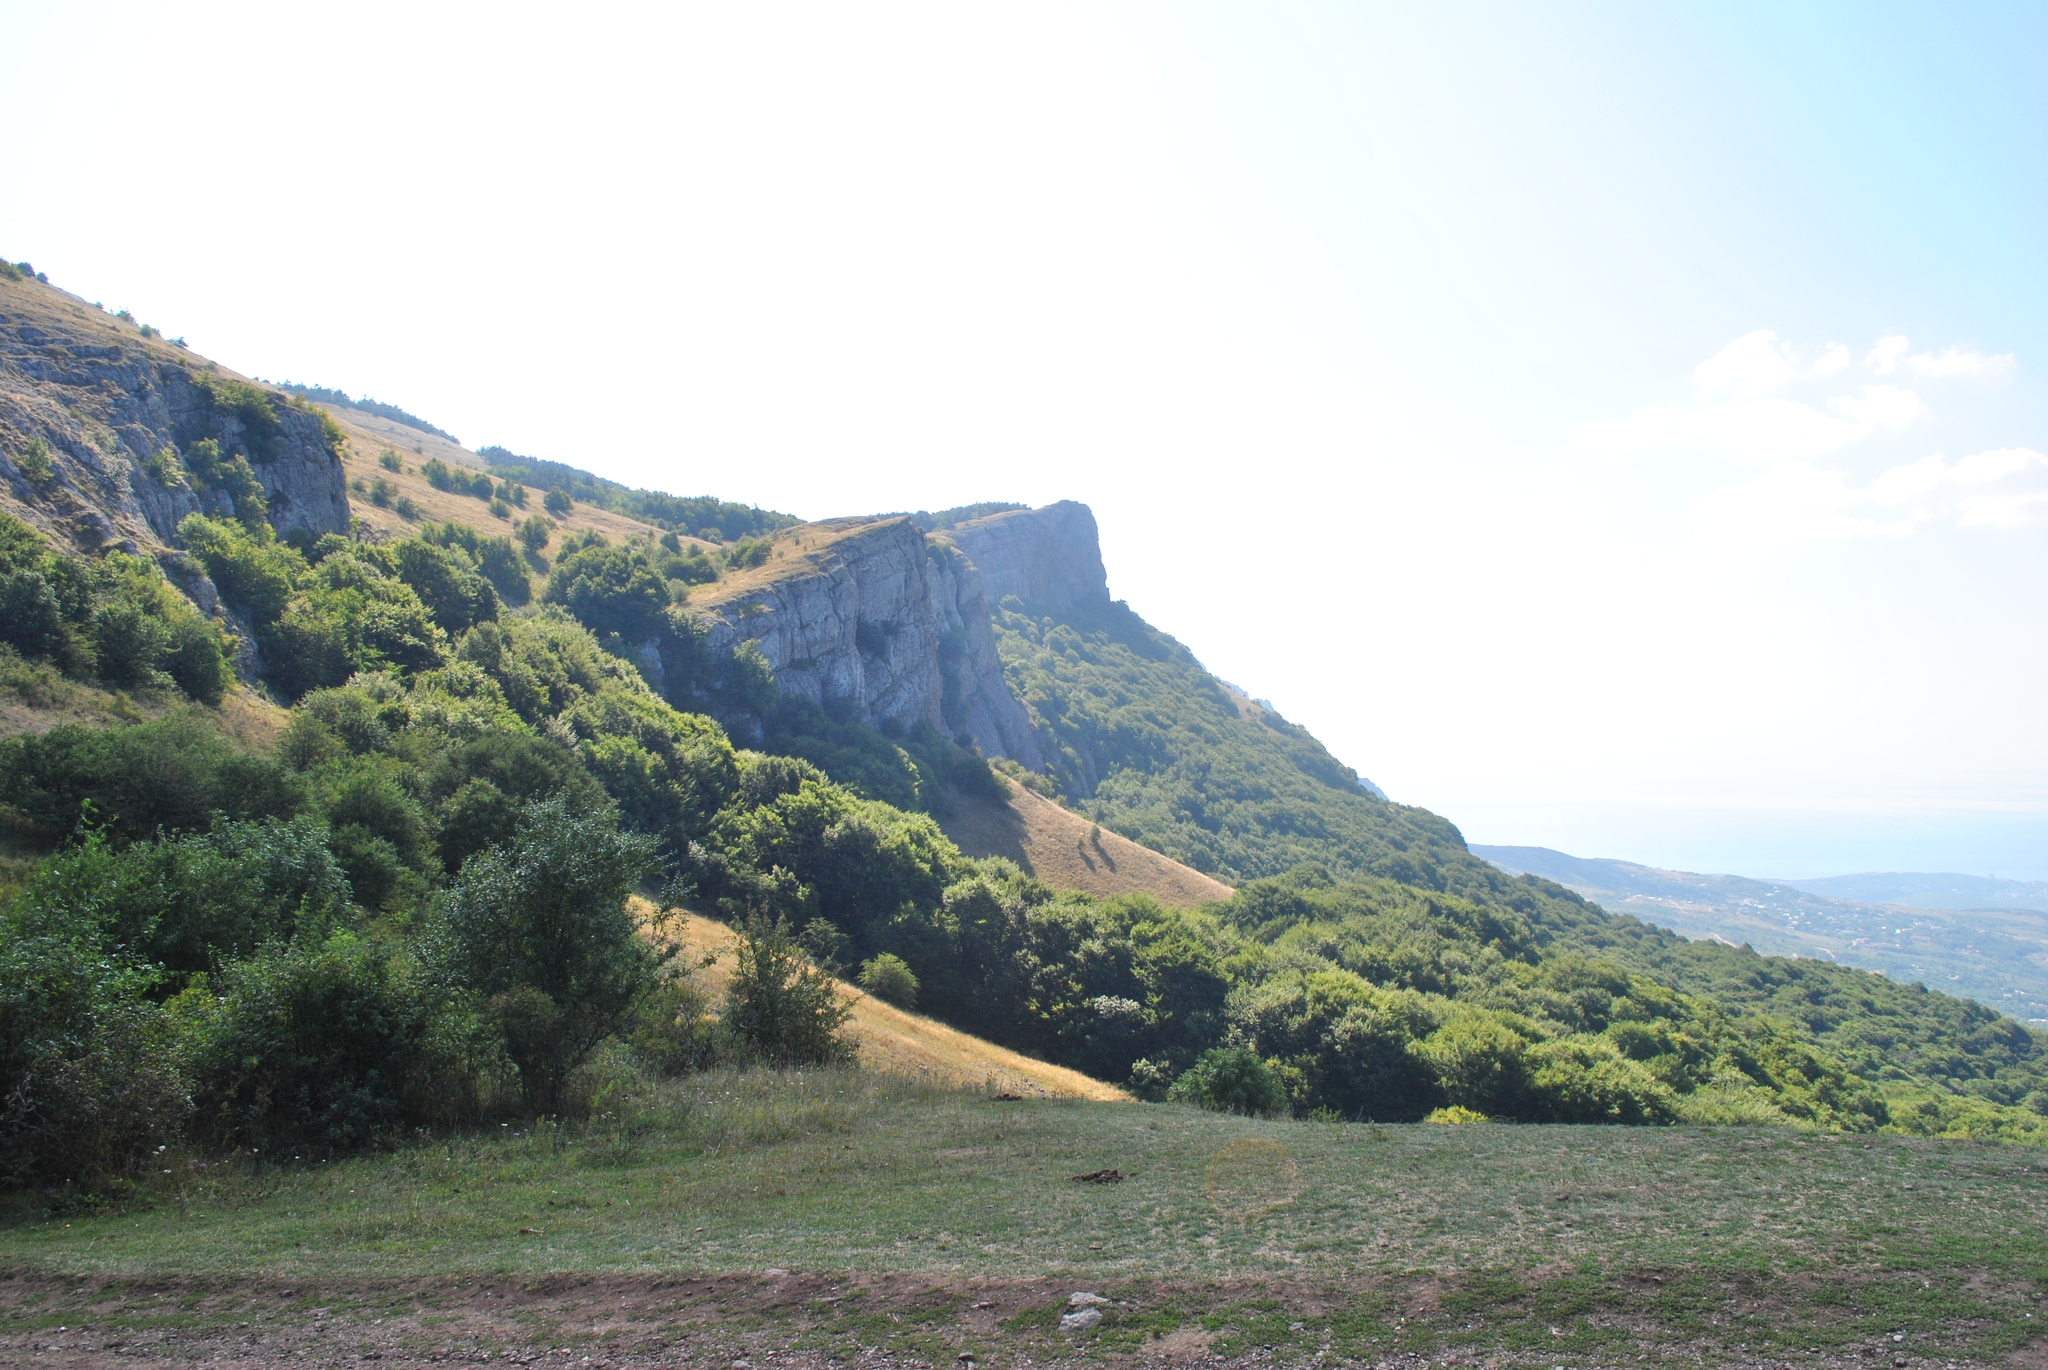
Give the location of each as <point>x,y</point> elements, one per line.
<point>1068,852</point>
<point>1344,1228</point>
<point>907,1044</point>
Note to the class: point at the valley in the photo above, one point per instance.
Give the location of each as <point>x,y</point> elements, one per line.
<point>1996,955</point>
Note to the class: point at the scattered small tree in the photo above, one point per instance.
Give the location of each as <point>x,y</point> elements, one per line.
<point>540,928</point>
<point>1231,1080</point>
<point>889,977</point>
<point>558,503</point>
<point>535,532</point>
<point>780,1006</point>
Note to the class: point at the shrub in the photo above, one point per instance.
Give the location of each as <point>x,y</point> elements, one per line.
<point>780,1007</point>
<point>747,552</point>
<point>888,977</point>
<point>1456,1115</point>
<point>33,461</point>
<point>196,658</point>
<point>500,509</point>
<point>610,590</point>
<point>382,492</point>
<point>256,574</point>
<point>408,508</point>
<point>558,503</point>
<point>534,533</point>
<point>389,460</point>
<point>540,928</point>
<point>173,773</point>
<point>1231,1080</point>
<point>671,1031</point>
<point>167,469</point>
<point>90,1083</point>
<point>333,1047</point>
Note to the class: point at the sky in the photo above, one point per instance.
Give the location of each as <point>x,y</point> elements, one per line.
<point>1617,428</point>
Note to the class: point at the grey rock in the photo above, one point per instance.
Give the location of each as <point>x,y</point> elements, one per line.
<point>1085,1300</point>
<point>1081,1321</point>
<point>106,403</point>
<point>1050,557</point>
<point>887,627</point>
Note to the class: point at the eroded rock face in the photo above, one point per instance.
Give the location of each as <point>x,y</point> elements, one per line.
<point>889,627</point>
<point>106,402</point>
<point>1050,558</point>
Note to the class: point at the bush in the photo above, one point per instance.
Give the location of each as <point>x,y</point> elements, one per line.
<point>333,1047</point>
<point>671,1032</point>
<point>90,1077</point>
<point>558,503</point>
<point>33,461</point>
<point>535,532</point>
<point>540,928</point>
<point>389,460</point>
<point>610,590</point>
<point>747,552</point>
<point>1231,1080</point>
<point>781,1008</point>
<point>191,904</point>
<point>174,773</point>
<point>888,977</point>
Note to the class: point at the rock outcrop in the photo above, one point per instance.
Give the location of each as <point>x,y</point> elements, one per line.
<point>878,622</point>
<point>88,407</point>
<point>1050,558</point>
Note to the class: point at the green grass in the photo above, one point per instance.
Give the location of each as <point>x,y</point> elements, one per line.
<point>1356,1239</point>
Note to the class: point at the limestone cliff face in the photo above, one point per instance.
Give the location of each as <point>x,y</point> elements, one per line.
<point>105,402</point>
<point>879,622</point>
<point>1050,558</point>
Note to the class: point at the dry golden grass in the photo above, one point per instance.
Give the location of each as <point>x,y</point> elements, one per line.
<point>901,1043</point>
<point>805,549</point>
<point>369,437</point>
<point>1068,852</point>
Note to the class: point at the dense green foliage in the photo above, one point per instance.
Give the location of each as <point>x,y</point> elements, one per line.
<point>1404,973</point>
<point>702,515</point>
<point>1152,746</point>
<point>113,619</point>
<point>415,912</point>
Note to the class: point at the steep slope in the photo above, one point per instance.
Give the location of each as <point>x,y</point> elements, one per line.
<point>907,1043</point>
<point>90,405</point>
<point>1068,852</point>
<point>869,618</point>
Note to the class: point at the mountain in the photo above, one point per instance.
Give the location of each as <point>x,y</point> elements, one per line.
<point>1998,957</point>
<point>1938,891</point>
<point>496,685</point>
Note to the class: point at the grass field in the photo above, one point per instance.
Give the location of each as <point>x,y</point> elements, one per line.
<point>842,1212</point>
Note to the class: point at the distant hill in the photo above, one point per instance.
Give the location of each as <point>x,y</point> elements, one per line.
<point>1984,954</point>
<point>321,394</point>
<point>1937,891</point>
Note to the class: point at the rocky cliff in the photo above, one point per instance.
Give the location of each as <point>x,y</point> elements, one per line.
<point>869,618</point>
<point>1051,558</point>
<point>110,437</point>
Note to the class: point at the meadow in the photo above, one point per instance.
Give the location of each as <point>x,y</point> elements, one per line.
<point>841,1213</point>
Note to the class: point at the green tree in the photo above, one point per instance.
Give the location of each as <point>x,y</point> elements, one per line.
<point>780,1006</point>
<point>541,929</point>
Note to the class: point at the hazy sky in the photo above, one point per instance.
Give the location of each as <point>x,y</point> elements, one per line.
<point>1614,428</point>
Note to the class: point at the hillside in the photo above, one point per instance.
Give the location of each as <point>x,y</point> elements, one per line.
<point>483,746</point>
<point>1988,955</point>
<point>1068,852</point>
<point>900,1043</point>
<point>1946,890</point>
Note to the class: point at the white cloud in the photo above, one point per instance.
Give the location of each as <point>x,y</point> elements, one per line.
<point>1754,364</point>
<point>1894,352</point>
<point>1739,405</point>
<point>1962,361</point>
<point>1796,501</point>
